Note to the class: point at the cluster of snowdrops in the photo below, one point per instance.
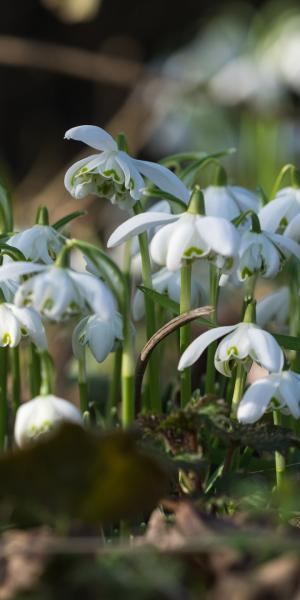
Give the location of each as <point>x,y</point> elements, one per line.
<point>171,228</point>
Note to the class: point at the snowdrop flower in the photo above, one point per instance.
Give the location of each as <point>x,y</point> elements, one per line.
<point>41,415</point>
<point>278,213</point>
<point>273,307</point>
<point>278,391</point>
<point>113,174</point>
<point>16,323</point>
<point>228,201</point>
<point>99,334</point>
<point>264,253</point>
<point>242,342</point>
<point>57,292</point>
<point>167,282</point>
<point>40,243</point>
<point>185,236</point>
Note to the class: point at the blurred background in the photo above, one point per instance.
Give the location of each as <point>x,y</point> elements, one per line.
<point>203,76</point>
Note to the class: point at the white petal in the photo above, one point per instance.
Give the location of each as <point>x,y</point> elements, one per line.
<point>96,294</point>
<point>93,136</point>
<point>13,270</point>
<point>77,342</point>
<point>285,244</point>
<point>69,182</point>
<point>163,178</point>
<point>255,401</point>
<point>10,332</point>
<point>218,203</point>
<point>138,224</point>
<point>32,323</point>
<point>266,351</point>
<point>160,243</point>
<point>271,258</point>
<point>138,307</point>
<point>293,229</point>
<point>273,306</point>
<point>101,338</point>
<point>272,213</point>
<point>131,174</point>
<point>179,242</point>
<point>219,234</point>
<point>197,347</point>
<point>289,396</point>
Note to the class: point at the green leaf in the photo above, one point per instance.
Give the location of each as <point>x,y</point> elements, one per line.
<point>287,341</point>
<point>11,251</point>
<point>175,159</point>
<point>77,474</point>
<point>6,212</point>
<point>106,268</point>
<point>165,302</point>
<point>177,205</point>
<point>68,218</point>
<point>202,162</point>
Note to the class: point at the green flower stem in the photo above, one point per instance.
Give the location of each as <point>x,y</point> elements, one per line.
<point>34,368</point>
<point>47,373</point>
<point>289,168</point>
<point>294,310</point>
<point>16,379</point>
<point>114,389</point>
<point>128,366</point>
<point>279,458</point>
<point>82,384</point>
<point>3,397</point>
<point>239,386</point>
<point>153,372</point>
<point>214,297</point>
<point>185,332</point>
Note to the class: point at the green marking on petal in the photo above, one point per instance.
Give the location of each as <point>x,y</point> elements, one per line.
<point>6,339</point>
<point>246,273</point>
<point>232,351</point>
<point>193,251</point>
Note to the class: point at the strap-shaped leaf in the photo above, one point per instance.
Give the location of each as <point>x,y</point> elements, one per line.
<point>68,218</point>
<point>6,213</point>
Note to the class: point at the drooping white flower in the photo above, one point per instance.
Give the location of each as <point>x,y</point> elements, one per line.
<point>273,307</point>
<point>16,323</point>
<point>57,293</point>
<point>99,334</point>
<point>264,253</point>
<point>167,282</point>
<point>113,174</point>
<point>228,201</point>
<point>42,415</point>
<point>184,236</point>
<point>241,342</point>
<point>40,243</point>
<point>278,213</point>
<point>278,391</point>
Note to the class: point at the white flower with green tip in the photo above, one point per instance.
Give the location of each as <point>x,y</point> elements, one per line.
<point>113,174</point>
<point>99,334</point>
<point>244,342</point>
<point>264,254</point>
<point>41,415</point>
<point>16,323</point>
<point>181,237</point>
<point>40,243</point>
<point>278,391</point>
<point>281,211</point>
<point>58,293</point>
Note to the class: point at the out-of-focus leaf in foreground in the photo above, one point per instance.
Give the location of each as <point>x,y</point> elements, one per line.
<point>82,475</point>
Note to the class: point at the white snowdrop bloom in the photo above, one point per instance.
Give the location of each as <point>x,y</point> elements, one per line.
<point>273,307</point>
<point>42,415</point>
<point>40,243</point>
<point>264,253</point>
<point>57,292</point>
<point>113,174</point>
<point>99,334</point>
<point>183,236</point>
<point>242,342</point>
<point>167,282</point>
<point>16,323</point>
<point>228,201</point>
<point>278,213</point>
<point>278,391</point>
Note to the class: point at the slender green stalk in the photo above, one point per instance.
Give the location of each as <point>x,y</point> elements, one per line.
<point>34,367</point>
<point>47,374</point>
<point>279,458</point>
<point>128,367</point>
<point>82,384</point>
<point>185,332</point>
<point>239,386</point>
<point>16,379</point>
<point>3,397</point>
<point>153,368</point>
<point>114,389</point>
<point>214,296</point>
